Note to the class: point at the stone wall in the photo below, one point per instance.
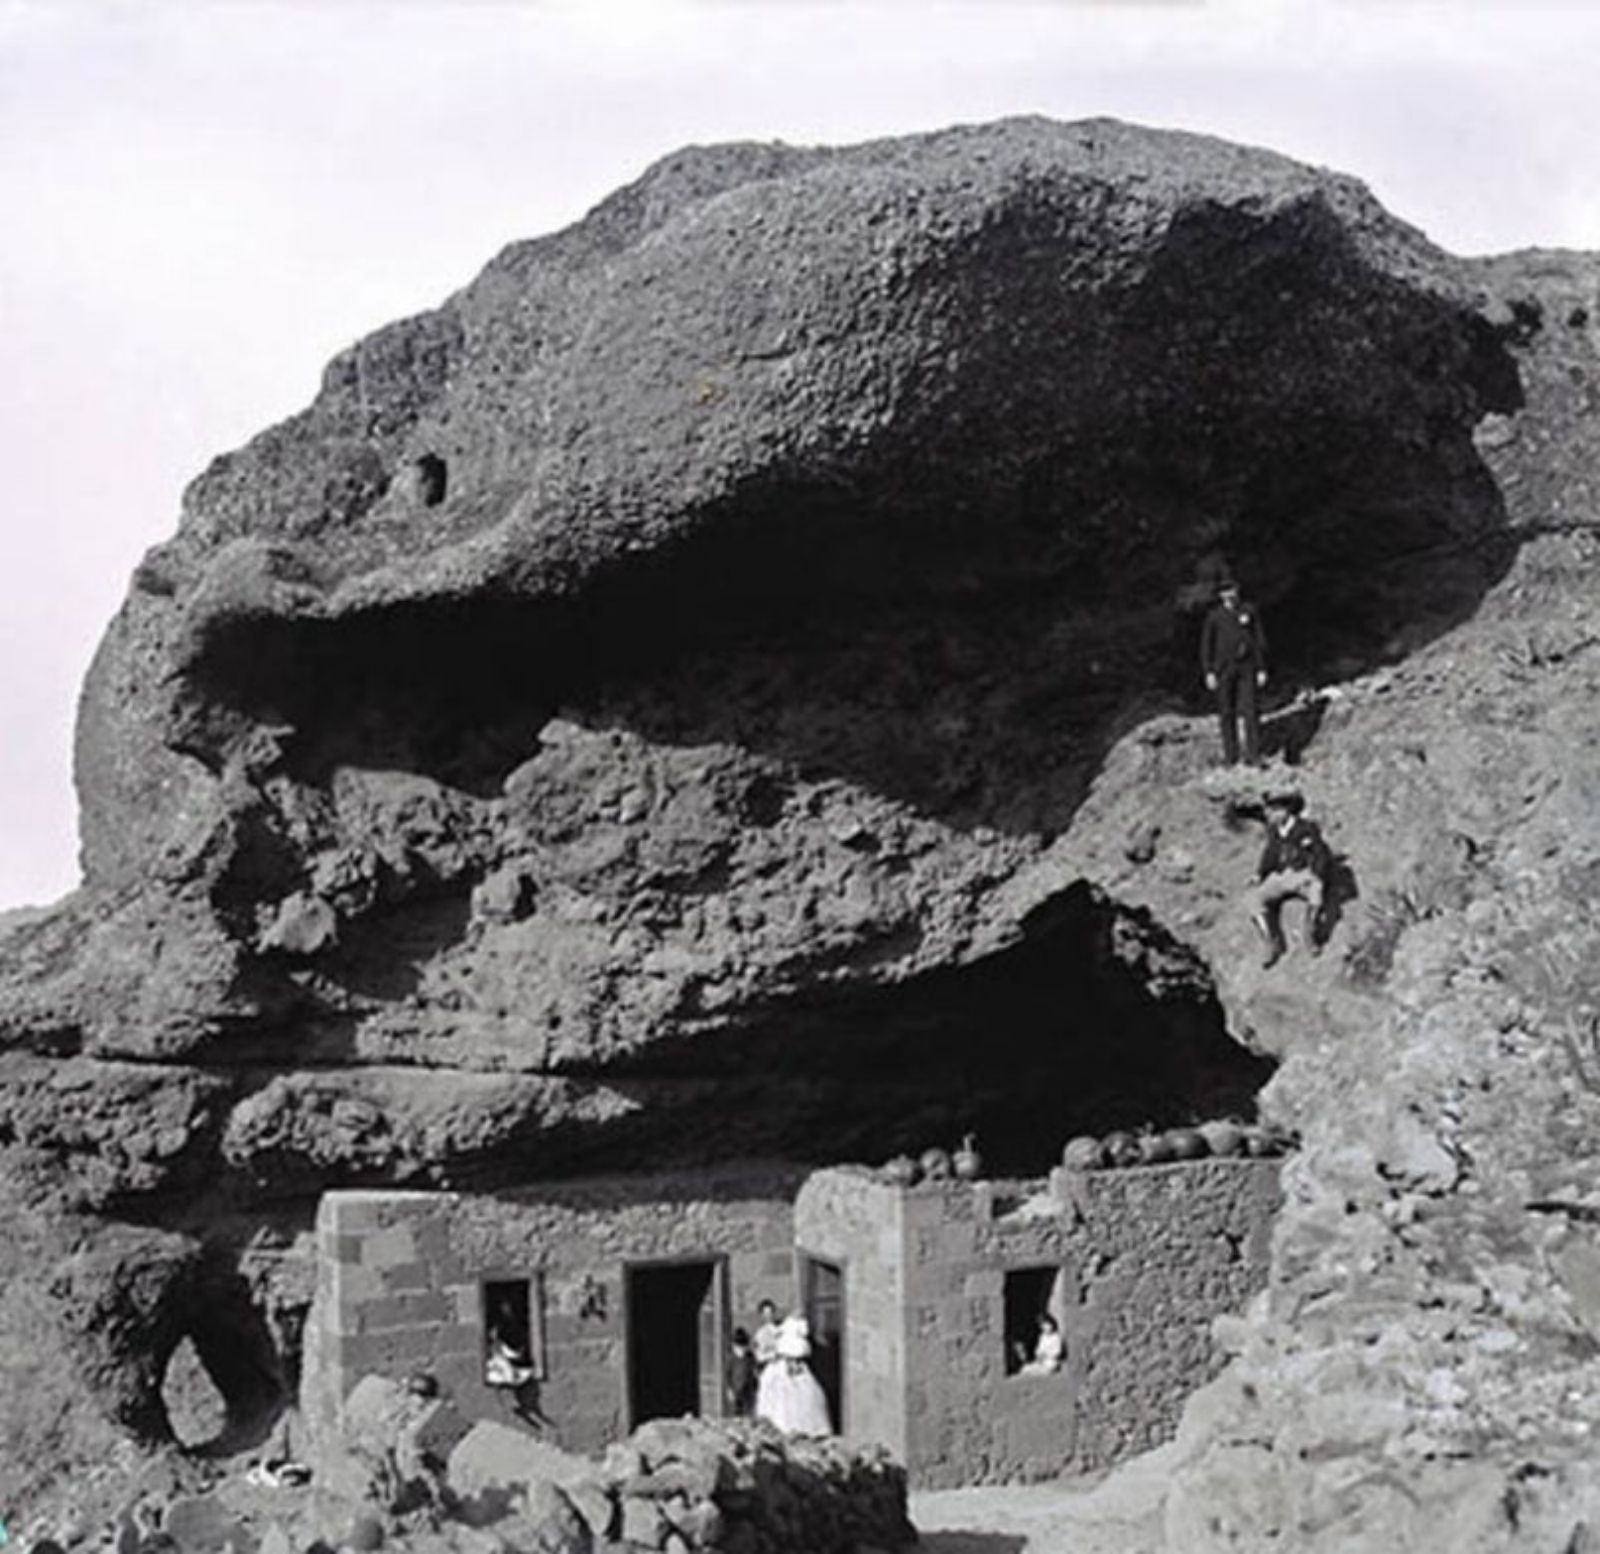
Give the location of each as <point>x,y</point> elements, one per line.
<point>1137,1263</point>
<point>1141,1260</point>
<point>862,1230</point>
<point>400,1275</point>
<point>1164,1250</point>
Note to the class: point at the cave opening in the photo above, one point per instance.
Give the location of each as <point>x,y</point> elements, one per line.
<point>227,1379</point>
<point>1096,1020</point>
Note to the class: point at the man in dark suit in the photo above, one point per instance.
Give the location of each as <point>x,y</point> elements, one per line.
<point>1233,658</point>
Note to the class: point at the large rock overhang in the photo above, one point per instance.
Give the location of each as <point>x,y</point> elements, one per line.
<point>1043,367</point>
<point>701,618</point>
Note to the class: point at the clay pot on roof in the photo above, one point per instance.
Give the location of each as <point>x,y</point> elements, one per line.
<point>899,1172</point>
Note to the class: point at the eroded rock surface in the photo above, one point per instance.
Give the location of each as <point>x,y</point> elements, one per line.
<point>725,679</point>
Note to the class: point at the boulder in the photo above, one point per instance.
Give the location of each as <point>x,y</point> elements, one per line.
<point>203,1524</point>
<point>494,1456</point>
<point>757,1490</point>
<point>547,1522</point>
<point>643,1522</point>
<point>392,1446</point>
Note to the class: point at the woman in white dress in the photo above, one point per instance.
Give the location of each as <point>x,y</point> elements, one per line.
<point>1049,1351</point>
<point>788,1394</point>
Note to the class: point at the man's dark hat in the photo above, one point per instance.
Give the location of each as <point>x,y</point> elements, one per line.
<point>1285,798</point>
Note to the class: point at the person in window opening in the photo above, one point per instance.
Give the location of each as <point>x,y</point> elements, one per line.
<point>1233,659</point>
<point>1049,1348</point>
<point>788,1395</point>
<point>767,1330</point>
<point>1294,863</point>
<point>743,1375</point>
<point>506,1365</point>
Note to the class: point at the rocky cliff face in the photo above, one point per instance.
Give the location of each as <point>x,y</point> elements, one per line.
<point>723,684</point>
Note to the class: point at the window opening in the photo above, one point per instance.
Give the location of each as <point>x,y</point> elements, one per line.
<point>1033,1339</point>
<point>512,1353</point>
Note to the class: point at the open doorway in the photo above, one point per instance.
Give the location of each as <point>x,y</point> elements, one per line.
<point>676,1339</point>
<point>822,1301</point>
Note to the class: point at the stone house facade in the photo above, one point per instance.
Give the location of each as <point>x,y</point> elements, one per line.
<point>617,1297</point>
<point>944,1283</point>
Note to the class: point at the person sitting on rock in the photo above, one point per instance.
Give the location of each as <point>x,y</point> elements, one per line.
<point>1294,863</point>
<point>1233,659</point>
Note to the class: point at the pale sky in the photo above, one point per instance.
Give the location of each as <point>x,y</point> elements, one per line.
<point>201,201</point>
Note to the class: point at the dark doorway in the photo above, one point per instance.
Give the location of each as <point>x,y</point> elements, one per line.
<point>675,1340</point>
<point>822,1301</point>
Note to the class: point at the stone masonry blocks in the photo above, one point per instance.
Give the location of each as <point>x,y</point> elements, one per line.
<point>1146,1262</point>
<point>408,1276</point>
<point>388,1248</point>
<point>407,1270</point>
<point>1148,1256</point>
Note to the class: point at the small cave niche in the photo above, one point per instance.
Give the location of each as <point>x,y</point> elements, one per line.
<point>432,477</point>
<point>226,1379</point>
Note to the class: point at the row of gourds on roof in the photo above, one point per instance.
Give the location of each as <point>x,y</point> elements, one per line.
<point>1222,1138</point>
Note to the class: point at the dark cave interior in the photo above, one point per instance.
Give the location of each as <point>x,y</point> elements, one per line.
<point>1096,1019</point>
<point>976,671</point>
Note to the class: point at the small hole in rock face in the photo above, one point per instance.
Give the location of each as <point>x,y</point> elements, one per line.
<point>432,478</point>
